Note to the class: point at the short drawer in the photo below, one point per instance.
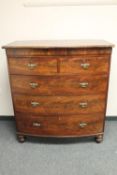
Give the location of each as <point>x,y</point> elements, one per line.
<point>89,51</point>
<point>74,125</point>
<point>59,85</point>
<point>51,105</point>
<point>35,52</point>
<point>84,65</point>
<point>32,66</point>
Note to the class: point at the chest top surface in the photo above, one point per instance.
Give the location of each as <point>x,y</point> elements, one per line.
<point>59,44</point>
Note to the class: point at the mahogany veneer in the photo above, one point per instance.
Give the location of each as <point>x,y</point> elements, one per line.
<point>59,88</point>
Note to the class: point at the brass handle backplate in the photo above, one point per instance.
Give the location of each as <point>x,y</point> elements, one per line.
<point>36,124</point>
<point>85,65</point>
<point>83,105</point>
<point>33,85</point>
<point>35,104</point>
<point>32,65</point>
<point>84,84</point>
<point>82,125</point>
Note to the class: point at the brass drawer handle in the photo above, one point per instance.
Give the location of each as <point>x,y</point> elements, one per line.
<point>33,85</point>
<point>32,65</point>
<point>36,124</point>
<point>85,65</point>
<point>84,84</point>
<point>83,105</point>
<point>82,125</point>
<point>35,104</point>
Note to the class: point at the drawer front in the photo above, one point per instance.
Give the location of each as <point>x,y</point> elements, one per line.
<point>59,85</point>
<point>51,105</point>
<point>89,51</point>
<point>34,66</point>
<point>84,65</point>
<point>60,125</point>
<point>19,52</point>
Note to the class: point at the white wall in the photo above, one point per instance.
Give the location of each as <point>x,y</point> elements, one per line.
<point>81,22</point>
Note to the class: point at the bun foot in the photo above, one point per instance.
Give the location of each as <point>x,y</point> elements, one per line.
<point>99,138</point>
<point>21,138</point>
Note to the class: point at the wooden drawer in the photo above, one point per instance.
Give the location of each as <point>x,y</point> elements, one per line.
<point>32,66</point>
<point>84,65</point>
<point>52,105</point>
<point>60,125</point>
<point>26,52</point>
<point>59,85</point>
<point>35,52</point>
<point>89,51</point>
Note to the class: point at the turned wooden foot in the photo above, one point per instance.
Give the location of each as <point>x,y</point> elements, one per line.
<point>99,138</point>
<point>21,138</point>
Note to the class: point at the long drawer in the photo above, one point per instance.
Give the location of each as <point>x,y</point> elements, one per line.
<point>34,52</point>
<point>51,105</point>
<point>59,85</point>
<point>60,125</point>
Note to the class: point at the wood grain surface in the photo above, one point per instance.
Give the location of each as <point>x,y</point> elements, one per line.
<point>51,105</point>
<point>60,125</point>
<point>59,88</point>
<point>35,66</point>
<point>59,85</point>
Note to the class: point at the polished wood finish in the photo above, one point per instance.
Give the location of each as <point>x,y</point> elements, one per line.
<point>35,52</point>
<point>59,85</point>
<point>52,105</point>
<point>60,125</point>
<point>59,88</point>
<point>75,65</point>
<point>35,66</point>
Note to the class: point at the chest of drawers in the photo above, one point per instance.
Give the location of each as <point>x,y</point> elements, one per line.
<point>59,88</point>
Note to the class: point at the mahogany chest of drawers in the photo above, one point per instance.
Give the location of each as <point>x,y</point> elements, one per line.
<point>59,88</point>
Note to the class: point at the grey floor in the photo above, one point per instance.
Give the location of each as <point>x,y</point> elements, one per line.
<point>57,157</point>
